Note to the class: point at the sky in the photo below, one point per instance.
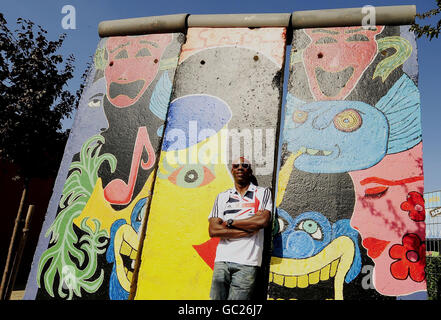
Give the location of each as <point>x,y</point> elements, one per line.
<point>82,42</point>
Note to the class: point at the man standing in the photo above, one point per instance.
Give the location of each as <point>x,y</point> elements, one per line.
<point>238,218</point>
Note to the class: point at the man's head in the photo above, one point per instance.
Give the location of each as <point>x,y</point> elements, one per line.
<point>241,171</point>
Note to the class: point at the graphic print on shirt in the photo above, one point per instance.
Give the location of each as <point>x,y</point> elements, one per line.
<point>236,208</point>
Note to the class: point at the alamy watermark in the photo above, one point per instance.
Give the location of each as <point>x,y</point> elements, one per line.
<point>68,277</point>
<point>69,20</point>
<point>369,17</point>
<point>207,146</point>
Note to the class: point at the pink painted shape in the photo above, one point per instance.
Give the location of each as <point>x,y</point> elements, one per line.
<point>383,219</point>
<point>338,55</point>
<point>128,62</point>
<point>267,41</point>
<point>119,192</point>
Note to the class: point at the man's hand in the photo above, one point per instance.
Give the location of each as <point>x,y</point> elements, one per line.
<point>218,228</point>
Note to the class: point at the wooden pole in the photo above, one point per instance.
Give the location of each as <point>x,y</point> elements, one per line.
<point>12,244</point>
<point>19,254</point>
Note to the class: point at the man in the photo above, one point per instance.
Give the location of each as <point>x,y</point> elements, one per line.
<point>238,218</point>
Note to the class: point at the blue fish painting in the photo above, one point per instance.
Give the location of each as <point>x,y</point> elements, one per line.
<point>343,136</point>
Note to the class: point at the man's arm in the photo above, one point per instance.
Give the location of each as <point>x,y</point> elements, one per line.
<point>260,220</point>
<point>218,228</point>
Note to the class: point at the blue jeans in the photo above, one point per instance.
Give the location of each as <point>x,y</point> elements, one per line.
<point>232,281</point>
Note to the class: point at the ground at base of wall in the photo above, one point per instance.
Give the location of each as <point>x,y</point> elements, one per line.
<point>17,295</point>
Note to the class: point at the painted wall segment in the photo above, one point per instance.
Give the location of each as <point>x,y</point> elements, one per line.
<point>227,94</point>
<point>350,206</point>
<point>91,233</point>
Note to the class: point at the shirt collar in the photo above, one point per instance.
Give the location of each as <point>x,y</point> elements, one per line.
<point>251,187</point>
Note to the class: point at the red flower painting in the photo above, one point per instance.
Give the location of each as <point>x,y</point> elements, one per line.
<point>411,258</point>
<point>415,206</point>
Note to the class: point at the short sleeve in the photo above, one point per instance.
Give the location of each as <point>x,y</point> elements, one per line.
<point>267,202</point>
<point>215,211</point>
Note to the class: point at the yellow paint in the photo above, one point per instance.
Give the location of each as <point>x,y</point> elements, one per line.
<point>314,277</point>
<point>302,281</point>
<point>171,268</point>
<point>290,282</point>
<point>126,243</point>
<point>98,208</point>
<point>324,273</point>
<point>278,279</point>
<point>333,261</point>
<point>285,173</point>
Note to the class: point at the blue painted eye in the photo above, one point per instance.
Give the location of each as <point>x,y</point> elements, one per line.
<point>312,228</point>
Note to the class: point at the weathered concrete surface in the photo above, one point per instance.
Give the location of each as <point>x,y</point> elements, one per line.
<point>227,79</point>
<point>387,15</point>
<point>89,240</point>
<point>351,181</point>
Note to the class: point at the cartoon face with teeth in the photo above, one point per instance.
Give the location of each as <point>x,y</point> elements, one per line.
<point>310,250</point>
<point>123,250</point>
<point>336,136</point>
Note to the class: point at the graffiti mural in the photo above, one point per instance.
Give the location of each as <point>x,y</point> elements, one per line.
<point>227,86</point>
<point>90,241</point>
<point>349,204</point>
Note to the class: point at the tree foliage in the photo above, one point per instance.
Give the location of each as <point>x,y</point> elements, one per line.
<point>428,30</point>
<point>33,98</point>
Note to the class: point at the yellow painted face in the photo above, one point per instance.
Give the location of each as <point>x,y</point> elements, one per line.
<point>126,239</point>
<point>334,261</point>
<point>125,251</point>
<point>184,195</point>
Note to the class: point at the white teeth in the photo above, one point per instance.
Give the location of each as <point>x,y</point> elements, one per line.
<point>327,153</point>
<point>312,151</point>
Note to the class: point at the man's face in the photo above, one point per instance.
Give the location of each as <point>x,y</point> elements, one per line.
<point>241,172</point>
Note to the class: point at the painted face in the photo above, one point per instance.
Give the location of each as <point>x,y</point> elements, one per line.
<point>194,188</point>
<point>389,215</point>
<point>338,56</point>
<point>337,136</point>
<point>133,63</point>
<point>123,249</point>
<point>191,169</point>
<point>310,250</point>
<point>91,119</point>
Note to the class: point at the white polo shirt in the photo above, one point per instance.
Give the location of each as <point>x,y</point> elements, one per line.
<point>231,205</point>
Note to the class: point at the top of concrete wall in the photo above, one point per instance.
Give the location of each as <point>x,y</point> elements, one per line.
<point>389,15</point>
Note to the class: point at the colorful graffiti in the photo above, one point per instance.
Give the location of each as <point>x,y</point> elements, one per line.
<point>154,116</point>
<point>115,143</point>
<point>350,207</point>
<point>226,78</point>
